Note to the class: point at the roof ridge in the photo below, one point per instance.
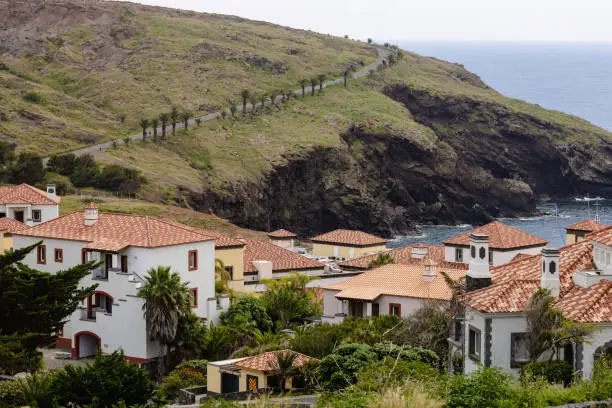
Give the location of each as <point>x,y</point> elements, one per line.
<point>187,228</point>
<point>38,191</point>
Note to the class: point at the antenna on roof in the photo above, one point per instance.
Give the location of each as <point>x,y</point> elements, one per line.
<point>597,218</point>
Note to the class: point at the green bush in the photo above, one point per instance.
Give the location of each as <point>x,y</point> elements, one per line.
<point>36,390</point>
<point>116,178</point>
<point>33,97</point>
<point>407,353</point>
<point>392,372</point>
<point>199,366</point>
<point>85,172</point>
<point>555,372</point>
<point>220,403</point>
<point>349,398</point>
<point>10,394</point>
<point>600,385</point>
<point>17,357</point>
<point>339,369</point>
<point>487,387</point>
<point>63,164</point>
<point>245,314</point>
<point>184,377</point>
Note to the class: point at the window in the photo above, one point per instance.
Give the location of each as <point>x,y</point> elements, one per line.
<point>124,263</point>
<point>3,215</point>
<point>375,309</point>
<point>59,255</point>
<point>230,271</point>
<point>458,255</point>
<point>395,309</point>
<point>83,255</point>
<point>41,254</point>
<point>474,344</point>
<point>457,330</point>
<point>519,353</point>
<point>193,260</point>
<point>194,297</point>
<point>482,253</point>
<point>36,215</point>
<point>473,251</point>
<point>552,267</point>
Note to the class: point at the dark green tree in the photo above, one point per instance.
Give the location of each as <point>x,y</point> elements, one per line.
<point>28,169</point>
<point>144,124</point>
<point>313,83</point>
<point>283,365</point>
<point>245,94</point>
<point>303,83</point>
<point>174,117</point>
<point>63,164</point>
<point>185,116</point>
<point>164,118</point>
<point>245,315</point>
<point>122,179</point>
<point>288,301</point>
<point>155,125</point>
<point>321,78</point>
<point>86,171</point>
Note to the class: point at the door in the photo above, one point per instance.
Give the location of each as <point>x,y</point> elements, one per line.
<point>229,383</point>
<point>375,309</point>
<point>252,383</point>
<point>19,216</point>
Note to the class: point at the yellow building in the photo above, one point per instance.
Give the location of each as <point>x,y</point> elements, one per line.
<point>577,232</point>
<point>346,244</point>
<point>251,374</point>
<point>7,227</point>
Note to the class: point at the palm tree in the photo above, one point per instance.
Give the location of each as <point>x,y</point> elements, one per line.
<point>244,94</point>
<point>164,118</point>
<point>166,299</point>
<point>263,97</point>
<point>221,273</point>
<point>313,84</point>
<point>381,259</point>
<point>199,120</point>
<point>303,83</point>
<point>174,116</point>
<point>273,96</point>
<point>185,116</point>
<point>284,366</point>
<point>321,79</point>
<point>233,108</point>
<point>154,125</point>
<point>144,124</point>
<point>253,101</point>
<point>346,76</point>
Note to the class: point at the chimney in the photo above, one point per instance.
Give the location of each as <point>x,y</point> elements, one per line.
<point>429,272</point>
<point>91,214</point>
<point>264,269</point>
<point>51,192</point>
<point>550,271</point>
<point>478,275</point>
<point>418,252</point>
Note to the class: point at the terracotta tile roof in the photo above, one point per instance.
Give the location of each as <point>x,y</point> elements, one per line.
<point>267,361</point>
<point>397,280</point>
<point>116,231</point>
<point>281,233</point>
<point>91,206</point>
<point>514,283</point>
<point>11,225</point>
<point>25,194</point>
<point>349,237</point>
<point>402,255</point>
<point>593,304</point>
<point>586,226</point>
<point>221,240</point>
<point>282,259</point>
<point>501,236</point>
<point>520,256</point>
<point>603,236</point>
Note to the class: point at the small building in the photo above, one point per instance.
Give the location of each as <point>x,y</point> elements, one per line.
<point>28,204</point>
<point>251,374</point>
<point>8,226</point>
<point>393,289</point>
<point>576,232</point>
<point>504,243</point>
<point>282,238</point>
<point>346,244</point>
<point>411,254</point>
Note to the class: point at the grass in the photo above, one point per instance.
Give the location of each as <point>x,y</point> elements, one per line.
<point>186,216</point>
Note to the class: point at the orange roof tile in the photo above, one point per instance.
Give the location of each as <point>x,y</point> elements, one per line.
<point>11,225</point>
<point>593,304</point>
<point>586,226</point>
<point>501,236</point>
<point>267,361</point>
<point>25,194</point>
<point>221,240</point>
<point>116,231</point>
<point>282,259</point>
<point>91,206</point>
<point>514,283</point>
<point>397,280</point>
<point>349,237</point>
<point>281,233</point>
<point>402,255</point>
<point>603,236</point>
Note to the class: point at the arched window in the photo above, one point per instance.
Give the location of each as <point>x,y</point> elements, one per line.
<point>473,250</point>
<point>483,253</point>
<point>552,267</point>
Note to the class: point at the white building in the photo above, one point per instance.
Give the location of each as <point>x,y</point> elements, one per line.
<point>493,330</point>
<point>28,204</point>
<point>505,243</point>
<point>111,317</point>
<point>393,289</point>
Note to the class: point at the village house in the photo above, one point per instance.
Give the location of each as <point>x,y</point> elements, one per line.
<point>504,243</point>
<point>282,238</point>
<point>251,374</point>
<point>344,244</point>
<point>410,254</point>
<point>28,204</point>
<point>576,232</point>
<point>393,289</point>
<point>128,246</point>
<point>492,331</point>
<point>8,227</point>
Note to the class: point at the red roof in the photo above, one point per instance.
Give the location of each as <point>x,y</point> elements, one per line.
<point>350,238</point>
<point>603,236</point>
<point>282,259</point>
<point>221,240</point>
<point>267,361</point>
<point>11,225</point>
<point>501,236</point>
<point>586,226</point>
<point>91,206</point>
<point>402,255</point>
<point>113,232</point>
<point>593,304</point>
<point>25,194</point>
<point>281,233</point>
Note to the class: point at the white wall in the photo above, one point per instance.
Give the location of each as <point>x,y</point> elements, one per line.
<point>499,257</point>
<point>331,304</point>
<point>47,212</point>
<point>599,339</point>
<point>409,305</point>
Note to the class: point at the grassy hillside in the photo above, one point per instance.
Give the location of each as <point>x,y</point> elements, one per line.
<point>78,72</point>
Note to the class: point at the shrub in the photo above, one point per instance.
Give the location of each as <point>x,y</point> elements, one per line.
<point>183,377</point>
<point>392,372</point>
<point>17,357</point>
<point>116,178</point>
<point>339,369</point>
<point>555,372</point>
<point>220,403</point>
<point>33,97</point>
<point>28,169</point>
<point>350,398</point>
<point>407,353</point>
<point>600,386</point>
<point>36,390</point>
<point>63,164</point>
<point>199,366</point>
<point>487,387</point>
<point>10,394</point>
<point>245,314</point>
<point>86,171</point>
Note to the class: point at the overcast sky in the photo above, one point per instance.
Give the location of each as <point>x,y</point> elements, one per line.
<point>494,20</point>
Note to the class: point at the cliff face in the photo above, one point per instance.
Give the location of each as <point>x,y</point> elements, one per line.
<point>487,162</point>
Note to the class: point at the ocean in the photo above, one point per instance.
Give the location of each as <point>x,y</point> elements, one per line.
<point>574,78</point>
<point>569,77</point>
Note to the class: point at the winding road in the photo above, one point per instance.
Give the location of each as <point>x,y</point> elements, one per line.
<point>383,53</point>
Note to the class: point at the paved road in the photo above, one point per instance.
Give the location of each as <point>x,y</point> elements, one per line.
<point>383,53</point>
